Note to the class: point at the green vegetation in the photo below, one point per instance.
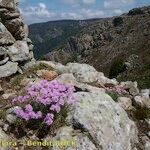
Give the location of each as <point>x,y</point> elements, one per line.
<point>142,113</point>
<point>118,21</point>
<point>117,67</point>
<point>113,95</point>
<point>49,36</point>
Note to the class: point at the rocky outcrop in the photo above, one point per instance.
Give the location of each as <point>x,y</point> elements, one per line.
<point>15,47</point>
<point>106,123</point>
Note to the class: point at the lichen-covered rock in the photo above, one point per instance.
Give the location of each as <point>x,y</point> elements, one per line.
<point>8,69</point>
<point>76,140</point>
<point>83,72</point>
<point>106,122</point>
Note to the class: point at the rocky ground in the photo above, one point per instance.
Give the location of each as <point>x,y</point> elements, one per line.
<point>107,114</point>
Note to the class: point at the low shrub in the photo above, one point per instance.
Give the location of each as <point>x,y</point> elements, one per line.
<point>43,104</point>
<point>117,21</point>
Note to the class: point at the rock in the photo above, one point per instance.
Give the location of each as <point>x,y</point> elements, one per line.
<point>4,137</point>
<point>9,3</point>
<point>146,142</point>
<point>10,115</point>
<point>142,102</point>
<point>102,80</point>
<point>11,118</point>
<point>8,69</point>
<point>11,110</point>
<point>3,50</point>
<point>4,61</point>
<point>19,51</point>
<point>132,86</point>
<point>59,68</point>
<point>125,103</point>
<point>9,95</point>
<point>1,89</point>
<point>11,15</point>
<point>76,141</point>
<point>139,101</point>
<point>46,74</point>
<point>106,122</point>
<point>67,78</point>
<point>82,72</point>
<point>5,36</point>
<point>145,93</point>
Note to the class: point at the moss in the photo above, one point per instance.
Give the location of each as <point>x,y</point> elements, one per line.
<point>113,95</point>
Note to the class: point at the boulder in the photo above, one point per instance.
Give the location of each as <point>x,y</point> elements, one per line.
<point>83,72</point>
<point>9,3</point>
<point>142,102</point>
<point>72,140</point>
<point>5,36</point>
<point>125,103</point>
<point>19,51</point>
<point>132,86</point>
<point>8,69</point>
<point>105,121</point>
<point>46,74</point>
<point>145,93</point>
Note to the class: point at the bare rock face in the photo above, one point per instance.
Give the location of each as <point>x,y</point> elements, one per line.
<point>14,42</point>
<point>107,123</point>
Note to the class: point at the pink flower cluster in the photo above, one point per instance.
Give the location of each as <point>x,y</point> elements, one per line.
<point>118,89</point>
<point>52,95</point>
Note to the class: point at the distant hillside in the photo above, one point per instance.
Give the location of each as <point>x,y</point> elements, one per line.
<point>117,46</point>
<point>53,35</point>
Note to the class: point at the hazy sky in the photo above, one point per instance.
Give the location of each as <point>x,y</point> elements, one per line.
<point>46,10</point>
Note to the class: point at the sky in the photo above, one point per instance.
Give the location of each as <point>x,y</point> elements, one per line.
<point>35,11</point>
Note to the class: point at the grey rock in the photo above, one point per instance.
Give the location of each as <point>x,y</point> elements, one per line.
<point>11,118</point>
<point>145,93</point>
<point>146,142</point>
<point>76,141</point>
<point>132,86</point>
<point>1,89</point>
<point>9,3</point>
<point>4,137</point>
<point>125,103</point>
<point>19,51</point>
<point>106,122</point>
<point>8,69</point>
<point>5,36</point>
<point>2,62</point>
